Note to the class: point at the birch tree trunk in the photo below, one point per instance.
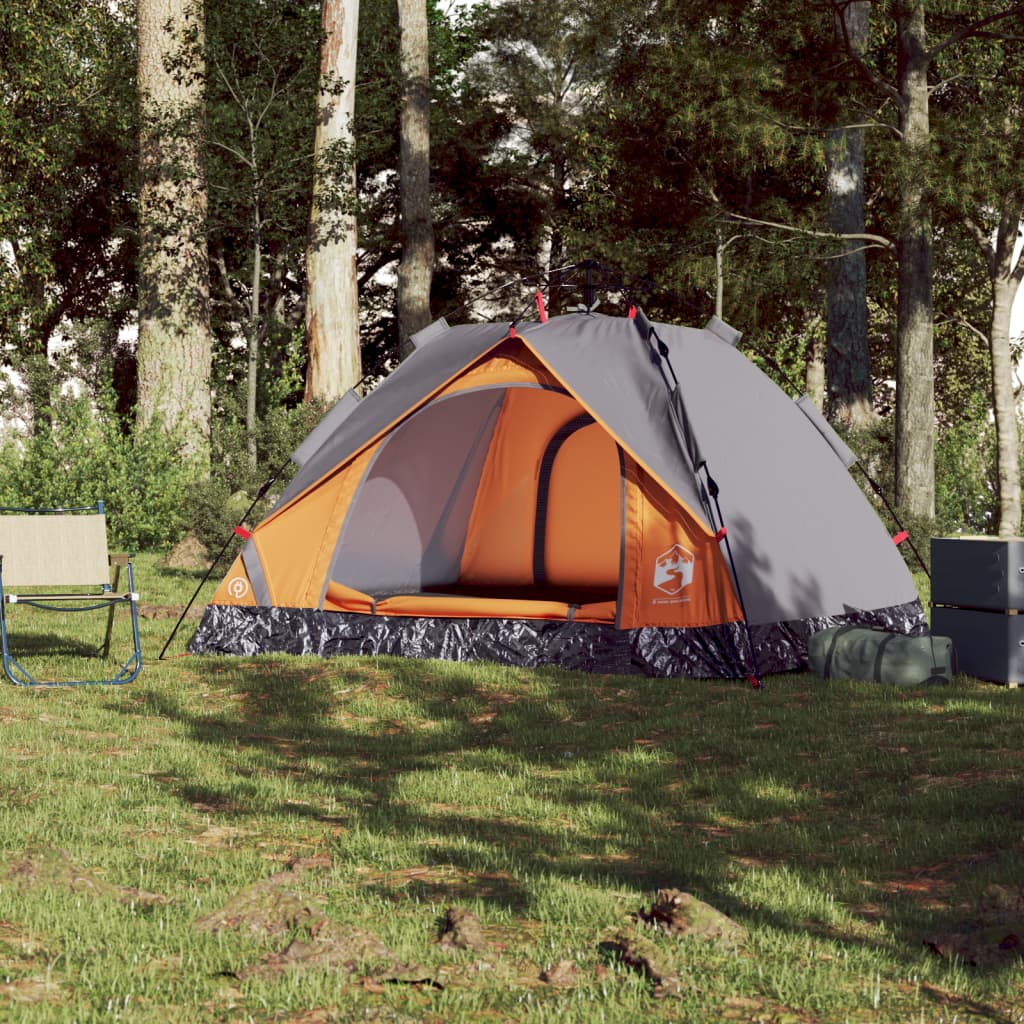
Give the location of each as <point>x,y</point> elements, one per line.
<point>848,363</point>
<point>332,302</point>
<point>1006,274</point>
<point>174,345</point>
<point>915,375</point>
<point>416,269</point>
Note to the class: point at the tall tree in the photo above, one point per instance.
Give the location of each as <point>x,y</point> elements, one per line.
<point>910,91</point>
<point>979,103</point>
<point>915,367</point>
<point>847,358</point>
<point>416,268</point>
<point>332,303</point>
<point>544,68</point>
<point>263,60</point>
<point>174,346</point>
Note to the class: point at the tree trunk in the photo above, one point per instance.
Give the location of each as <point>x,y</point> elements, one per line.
<point>174,346</point>
<point>915,378</point>
<point>332,302</point>
<point>1006,278</point>
<point>814,374</point>
<point>848,363</point>
<point>417,266</point>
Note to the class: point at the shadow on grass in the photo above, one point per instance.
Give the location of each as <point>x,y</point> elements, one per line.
<point>808,808</point>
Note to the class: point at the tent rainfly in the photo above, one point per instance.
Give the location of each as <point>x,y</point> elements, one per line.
<point>542,494</point>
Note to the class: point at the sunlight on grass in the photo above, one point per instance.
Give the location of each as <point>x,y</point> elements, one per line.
<point>841,824</point>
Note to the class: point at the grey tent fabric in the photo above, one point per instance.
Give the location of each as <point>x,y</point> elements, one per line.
<point>422,373</point>
<point>805,540</point>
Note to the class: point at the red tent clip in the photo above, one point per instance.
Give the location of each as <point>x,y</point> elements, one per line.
<point>242,532</point>
<point>754,682</point>
<point>901,537</point>
<point>512,331</point>
<point>541,311</point>
<point>632,312</point>
<point>720,536</point>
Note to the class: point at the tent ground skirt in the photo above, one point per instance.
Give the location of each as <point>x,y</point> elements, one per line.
<point>711,652</point>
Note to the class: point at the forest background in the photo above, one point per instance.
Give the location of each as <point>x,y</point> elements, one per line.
<point>840,180</point>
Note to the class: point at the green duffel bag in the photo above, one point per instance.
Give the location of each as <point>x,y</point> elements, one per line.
<point>856,652</point>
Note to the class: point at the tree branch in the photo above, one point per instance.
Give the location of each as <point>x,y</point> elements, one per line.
<point>875,241</point>
<point>973,29</point>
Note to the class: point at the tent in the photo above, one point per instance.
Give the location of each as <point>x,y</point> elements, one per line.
<point>594,492</point>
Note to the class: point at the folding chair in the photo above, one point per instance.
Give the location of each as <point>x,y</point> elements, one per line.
<point>61,556</point>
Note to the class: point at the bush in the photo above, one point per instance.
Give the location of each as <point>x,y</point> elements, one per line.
<point>235,482</point>
<point>85,456</point>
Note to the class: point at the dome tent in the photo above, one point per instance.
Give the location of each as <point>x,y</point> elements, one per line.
<point>542,494</point>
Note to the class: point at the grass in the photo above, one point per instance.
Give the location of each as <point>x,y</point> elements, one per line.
<point>164,842</point>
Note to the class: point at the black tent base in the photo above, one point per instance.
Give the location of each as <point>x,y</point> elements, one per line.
<point>711,652</point>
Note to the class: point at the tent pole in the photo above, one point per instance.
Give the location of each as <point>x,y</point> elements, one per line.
<point>220,554</point>
<point>904,533</point>
<point>723,535</point>
<point>690,449</point>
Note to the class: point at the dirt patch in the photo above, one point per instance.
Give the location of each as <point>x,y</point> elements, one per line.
<point>684,916</point>
<point>268,907</point>
<point>563,974</point>
<point>37,989</point>
<point>189,553</point>
<point>327,946</point>
<point>168,611</point>
<point>462,930</point>
<point>447,880</point>
<point>995,935</point>
<point>640,954</point>
<point>49,868</point>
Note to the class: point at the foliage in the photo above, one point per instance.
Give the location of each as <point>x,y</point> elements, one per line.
<point>262,65</point>
<point>87,456</point>
<point>218,506</point>
<point>67,171</point>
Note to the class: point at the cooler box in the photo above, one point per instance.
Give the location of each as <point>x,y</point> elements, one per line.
<point>978,602</point>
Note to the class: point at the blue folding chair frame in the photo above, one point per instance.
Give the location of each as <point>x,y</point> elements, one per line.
<point>104,596</point>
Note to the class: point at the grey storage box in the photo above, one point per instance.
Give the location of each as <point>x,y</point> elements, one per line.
<point>978,601</point>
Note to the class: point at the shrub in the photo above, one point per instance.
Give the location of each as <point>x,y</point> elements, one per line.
<point>82,455</point>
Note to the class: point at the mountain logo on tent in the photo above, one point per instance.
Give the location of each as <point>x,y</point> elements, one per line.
<point>673,570</point>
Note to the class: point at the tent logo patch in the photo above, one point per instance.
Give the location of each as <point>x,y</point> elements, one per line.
<point>673,570</point>
<point>238,587</point>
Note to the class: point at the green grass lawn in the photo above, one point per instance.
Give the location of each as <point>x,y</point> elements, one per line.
<point>280,839</point>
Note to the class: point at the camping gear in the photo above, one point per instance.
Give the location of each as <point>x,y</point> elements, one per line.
<point>978,600</point>
<point>852,652</point>
<point>593,492</point>
<point>61,556</point>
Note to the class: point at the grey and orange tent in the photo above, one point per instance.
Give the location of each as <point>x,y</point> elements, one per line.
<point>542,494</point>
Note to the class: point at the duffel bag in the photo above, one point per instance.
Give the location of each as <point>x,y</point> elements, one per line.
<point>856,652</point>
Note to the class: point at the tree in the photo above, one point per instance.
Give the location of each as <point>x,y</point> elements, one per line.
<point>915,364</point>
<point>416,268</point>
<point>979,102</point>
<point>67,178</point>
<point>544,68</point>
<point>174,346</point>
<point>263,60</point>
<point>847,358</point>
<point>910,90</point>
<point>332,303</point>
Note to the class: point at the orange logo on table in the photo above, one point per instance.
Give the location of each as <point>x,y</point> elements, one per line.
<point>673,570</point>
